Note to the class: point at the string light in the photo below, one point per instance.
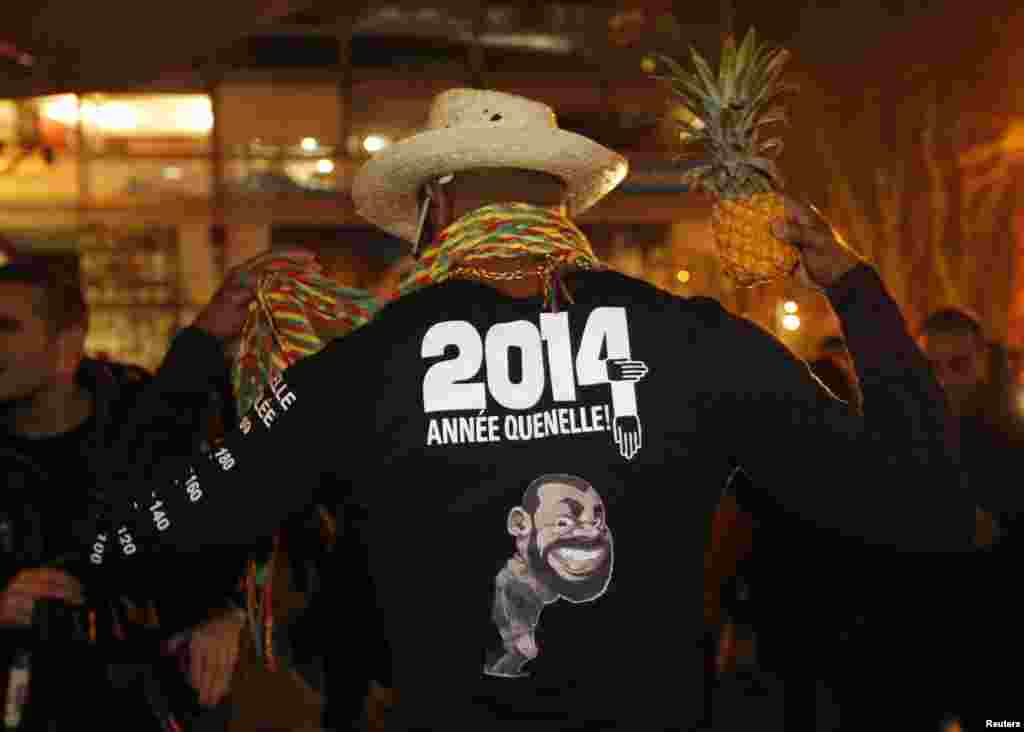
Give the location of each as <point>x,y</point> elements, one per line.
<point>309,144</point>
<point>791,322</point>
<point>790,307</point>
<point>324,167</point>
<point>683,276</point>
<point>374,143</point>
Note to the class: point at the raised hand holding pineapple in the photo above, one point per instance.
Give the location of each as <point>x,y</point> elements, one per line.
<point>824,256</point>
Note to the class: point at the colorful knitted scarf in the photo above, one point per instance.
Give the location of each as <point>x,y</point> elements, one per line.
<point>507,230</point>
<point>296,313</point>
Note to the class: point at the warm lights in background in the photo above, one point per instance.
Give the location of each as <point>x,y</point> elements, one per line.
<point>63,109</point>
<point>374,143</point>
<point>309,144</point>
<point>683,276</point>
<point>324,167</point>
<point>166,114</point>
<point>787,316</point>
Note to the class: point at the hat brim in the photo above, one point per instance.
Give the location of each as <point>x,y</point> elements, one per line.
<point>386,189</point>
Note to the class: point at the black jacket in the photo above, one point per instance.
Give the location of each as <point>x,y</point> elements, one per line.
<point>480,432</point>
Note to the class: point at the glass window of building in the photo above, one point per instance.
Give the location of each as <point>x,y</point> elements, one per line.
<point>39,150</point>
<point>156,125</point>
<point>386,108</point>
<point>130,180</point>
<point>143,147</point>
<point>281,137</point>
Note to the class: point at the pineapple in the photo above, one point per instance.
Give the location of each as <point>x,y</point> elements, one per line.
<point>725,120</point>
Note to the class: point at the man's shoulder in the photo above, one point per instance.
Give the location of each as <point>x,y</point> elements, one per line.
<point>615,288</point>
<point>112,382</point>
<point>95,372</point>
<point>401,319</point>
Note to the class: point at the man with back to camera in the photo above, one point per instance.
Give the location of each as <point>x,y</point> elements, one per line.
<point>514,353</point>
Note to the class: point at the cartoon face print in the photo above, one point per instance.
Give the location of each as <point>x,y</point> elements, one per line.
<point>562,533</point>
<point>564,550</point>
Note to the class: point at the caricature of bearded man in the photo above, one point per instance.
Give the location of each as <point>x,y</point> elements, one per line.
<point>563,550</point>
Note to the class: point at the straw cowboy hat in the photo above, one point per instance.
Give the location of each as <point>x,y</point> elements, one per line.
<point>476,128</point>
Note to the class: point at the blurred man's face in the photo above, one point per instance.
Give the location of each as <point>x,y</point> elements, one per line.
<point>959,362</point>
<point>28,350</point>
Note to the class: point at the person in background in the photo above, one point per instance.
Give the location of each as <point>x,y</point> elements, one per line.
<point>954,342</point>
<point>946,665</point>
<point>990,442</point>
<point>59,412</point>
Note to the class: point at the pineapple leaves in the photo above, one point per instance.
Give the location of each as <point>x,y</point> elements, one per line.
<point>704,71</point>
<point>746,52</point>
<point>674,67</point>
<point>684,84</point>
<point>737,104</point>
<point>727,67</point>
<point>744,60</point>
<point>687,89</point>
<point>756,75</point>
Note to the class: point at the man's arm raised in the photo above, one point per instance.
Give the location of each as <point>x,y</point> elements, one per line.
<point>891,476</point>
<point>264,470</point>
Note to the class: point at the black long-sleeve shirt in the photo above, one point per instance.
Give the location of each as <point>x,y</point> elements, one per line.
<point>589,446</point>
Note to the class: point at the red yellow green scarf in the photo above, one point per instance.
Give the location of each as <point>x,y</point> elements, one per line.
<point>507,230</point>
<point>296,313</point>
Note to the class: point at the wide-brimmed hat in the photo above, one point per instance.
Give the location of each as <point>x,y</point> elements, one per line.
<point>475,128</point>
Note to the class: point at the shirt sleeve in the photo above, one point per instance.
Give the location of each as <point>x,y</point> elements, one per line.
<point>167,416</point>
<point>891,476</point>
<point>241,490</point>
